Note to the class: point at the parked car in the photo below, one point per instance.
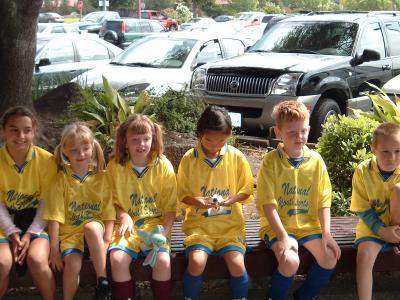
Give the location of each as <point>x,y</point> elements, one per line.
<point>168,23</point>
<point>59,59</point>
<point>197,24</point>
<point>159,61</point>
<point>223,18</point>
<point>93,21</point>
<point>50,17</point>
<point>123,32</point>
<point>249,18</point>
<point>321,60</point>
<point>54,28</point>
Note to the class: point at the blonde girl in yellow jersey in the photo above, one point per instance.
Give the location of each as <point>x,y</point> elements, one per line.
<point>144,192</point>
<point>214,181</point>
<point>80,209</point>
<point>26,172</point>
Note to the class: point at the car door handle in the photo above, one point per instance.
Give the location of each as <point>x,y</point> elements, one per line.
<point>386,67</point>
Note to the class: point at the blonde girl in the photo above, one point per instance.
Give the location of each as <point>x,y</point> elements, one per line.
<point>26,172</point>
<point>80,209</point>
<point>144,191</point>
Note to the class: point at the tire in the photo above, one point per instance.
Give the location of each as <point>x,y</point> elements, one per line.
<point>325,108</point>
<point>111,37</point>
<point>173,27</point>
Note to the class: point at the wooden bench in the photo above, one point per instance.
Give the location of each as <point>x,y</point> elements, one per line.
<point>259,260</point>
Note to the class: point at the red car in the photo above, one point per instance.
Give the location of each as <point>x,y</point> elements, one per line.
<point>168,23</point>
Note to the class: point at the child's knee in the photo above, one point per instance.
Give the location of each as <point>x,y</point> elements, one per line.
<point>289,263</point>
<point>365,258</point>
<point>118,260</point>
<point>197,263</point>
<point>329,260</point>
<point>163,261</point>
<point>37,261</point>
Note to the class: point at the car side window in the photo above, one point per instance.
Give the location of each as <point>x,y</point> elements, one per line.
<point>233,47</point>
<point>372,39</point>
<point>154,14</point>
<point>393,30</point>
<point>209,52</point>
<point>59,52</point>
<point>58,29</point>
<point>144,26</point>
<point>132,27</point>
<point>156,27</point>
<point>91,50</point>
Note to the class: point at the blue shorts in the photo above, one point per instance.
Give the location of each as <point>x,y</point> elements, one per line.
<point>300,241</point>
<point>385,245</point>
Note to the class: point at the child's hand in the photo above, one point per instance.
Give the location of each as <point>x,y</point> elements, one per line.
<point>284,246</point>
<point>228,201</point>
<point>390,233</point>
<point>204,202</point>
<point>126,227</point>
<point>55,259</point>
<point>23,249</point>
<point>16,245</point>
<point>329,242</point>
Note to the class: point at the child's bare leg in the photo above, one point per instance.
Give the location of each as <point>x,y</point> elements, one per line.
<point>122,286</point>
<point>161,280</point>
<point>193,279</point>
<point>239,281</point>
<point>38,265</point>
<point>72,268</point>
<point>6,262</point>
<point>94,232</point>
<point>395,205</point>
<point>197,262</point>
<point>366,256</point>
<point>319,273</point>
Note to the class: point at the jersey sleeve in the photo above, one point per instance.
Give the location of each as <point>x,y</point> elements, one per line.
<point>359,197</point>
<point>54,208</point>
<point>169,188</point>
<point>183,181</point>
<point>265,184</point>
<point>108,210</point>
<point>245,179</point>
<point>325,188</point>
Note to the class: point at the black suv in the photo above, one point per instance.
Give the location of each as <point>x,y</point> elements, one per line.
<point>123,32</point>
<point>322,60</point>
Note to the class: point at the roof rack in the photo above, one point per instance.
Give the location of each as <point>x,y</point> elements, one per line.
<point>384,12</point>
<point>338,12</point>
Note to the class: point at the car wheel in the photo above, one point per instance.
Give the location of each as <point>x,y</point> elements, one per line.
<point>111,37</point>
<point>173,27</point>
<point>325,108</point>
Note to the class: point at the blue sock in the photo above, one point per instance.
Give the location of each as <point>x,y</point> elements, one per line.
<point>239,286</point>
<point>279,286</point>
<point>191,286</point>
<point>317,278</point>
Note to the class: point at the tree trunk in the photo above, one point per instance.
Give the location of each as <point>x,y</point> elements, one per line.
<point>17,51</point>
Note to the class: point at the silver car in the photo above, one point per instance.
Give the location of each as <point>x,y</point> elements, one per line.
<point>159,61</point>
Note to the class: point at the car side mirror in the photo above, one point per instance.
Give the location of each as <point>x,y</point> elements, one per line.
<point>367,55</point>
<point>42,62</point>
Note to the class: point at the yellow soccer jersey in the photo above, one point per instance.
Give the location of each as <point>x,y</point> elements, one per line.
<point>146,195</point>
<point>297,193</point>
<point>230,174</point>
<point>25,186</point>
<point>76,201</point>
<point>370,190</point>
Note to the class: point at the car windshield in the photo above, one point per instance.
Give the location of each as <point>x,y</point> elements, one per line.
<point>245,17</point>
<point>157,52</point>
<point>328,38</point>
<point>93,17</point>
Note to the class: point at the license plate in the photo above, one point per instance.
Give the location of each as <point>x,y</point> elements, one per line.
<point>236,119</point>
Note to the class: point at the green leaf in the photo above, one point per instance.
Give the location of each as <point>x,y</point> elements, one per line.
<point>110,93</point>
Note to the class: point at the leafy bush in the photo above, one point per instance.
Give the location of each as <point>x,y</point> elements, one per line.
<point>176,110</point>
<point>182,14</point>
<point>344,144</point>
<point>105,111</point>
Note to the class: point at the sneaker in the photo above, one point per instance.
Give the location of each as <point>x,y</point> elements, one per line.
<point>102,290</point>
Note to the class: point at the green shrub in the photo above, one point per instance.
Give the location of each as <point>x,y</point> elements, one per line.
<point>176,110</point>
<point>344,144</point>
<point>105,111</point>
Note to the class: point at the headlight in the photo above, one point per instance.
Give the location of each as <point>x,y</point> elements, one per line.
<point>130,93</point>
<point>286,84</point>
<point>198,81</point>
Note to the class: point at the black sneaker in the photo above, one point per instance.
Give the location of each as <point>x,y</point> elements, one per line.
<point>102,290</point>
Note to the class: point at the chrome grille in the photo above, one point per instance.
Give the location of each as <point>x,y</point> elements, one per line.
<point>239,85</point>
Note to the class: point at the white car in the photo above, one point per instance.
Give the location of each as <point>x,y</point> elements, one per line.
<point>159,61</point>
<point>45,29</point>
